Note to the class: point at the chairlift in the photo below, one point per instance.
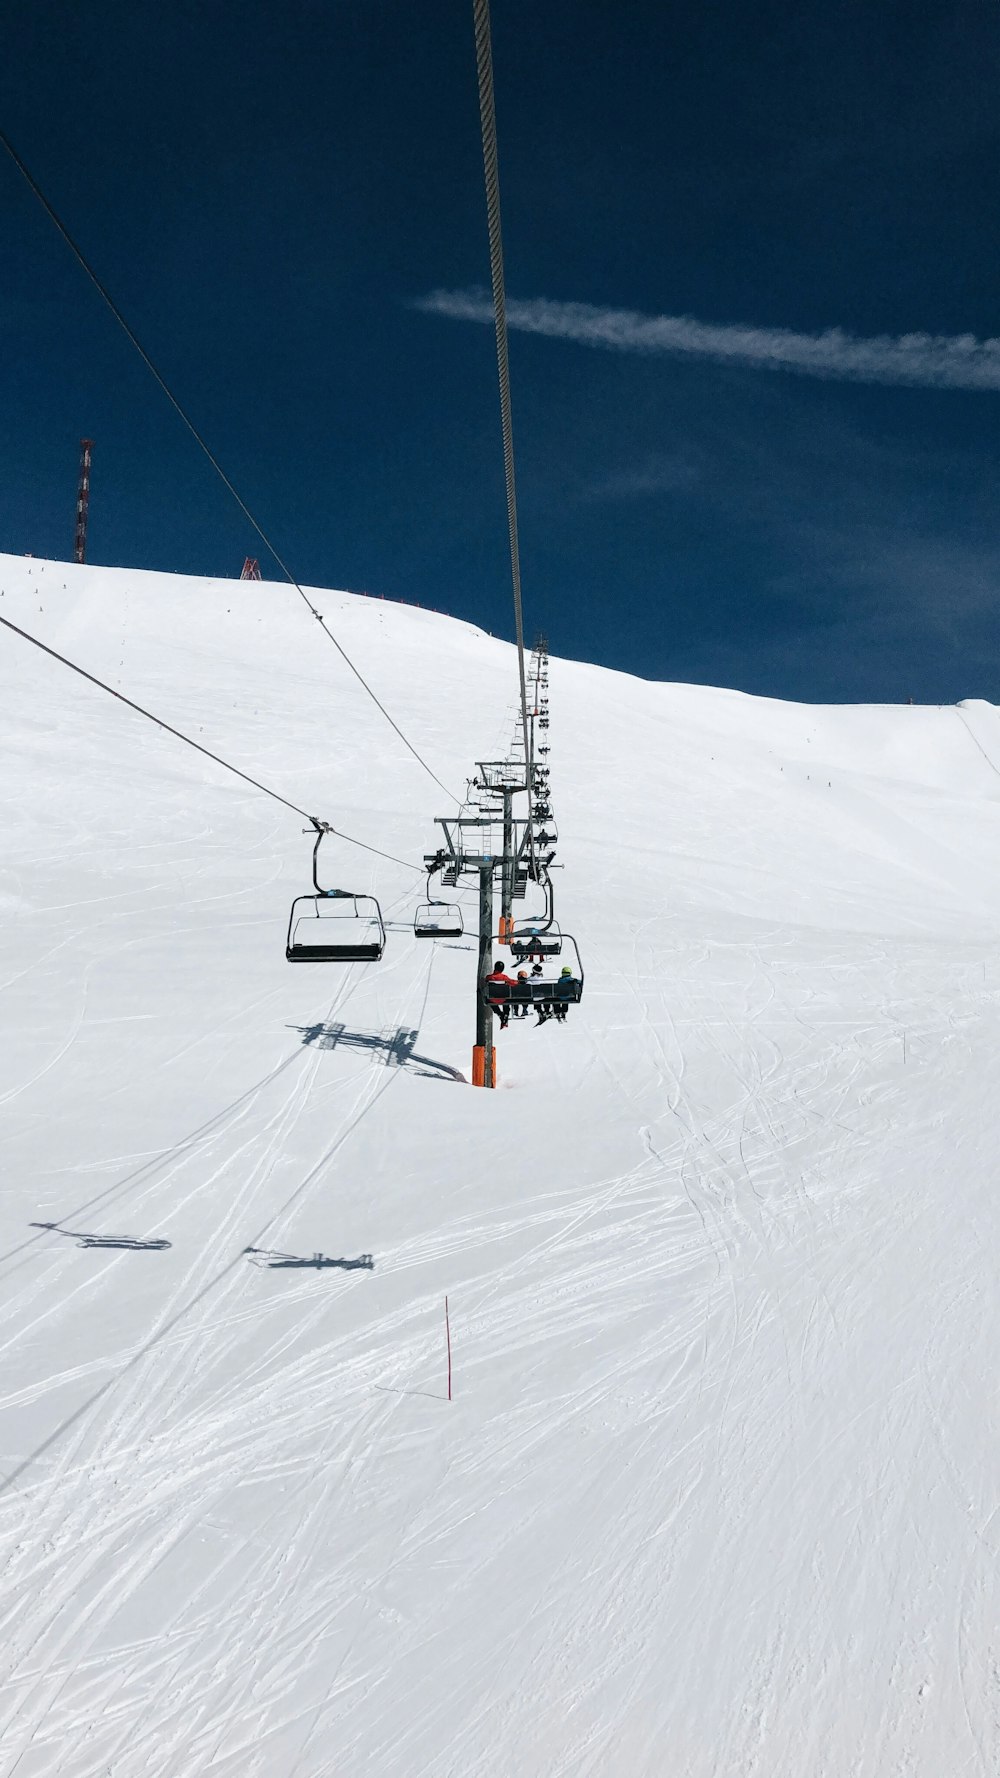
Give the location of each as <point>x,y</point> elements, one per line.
<point>436,918</point>
<point>527,944</point>
<point>549,991</point>
<point>334,925</point>
<point>539,937</point>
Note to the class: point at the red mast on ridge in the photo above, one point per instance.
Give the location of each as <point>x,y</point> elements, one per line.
<point>82,501</point>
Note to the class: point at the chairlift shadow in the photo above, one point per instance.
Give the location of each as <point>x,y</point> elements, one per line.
<point>397,1051</point>
<point>288,1262</point>
<point>123,1243</point>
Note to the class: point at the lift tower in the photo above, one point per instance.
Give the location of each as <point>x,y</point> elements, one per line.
<point>82,502</point>
<point>488,845</point>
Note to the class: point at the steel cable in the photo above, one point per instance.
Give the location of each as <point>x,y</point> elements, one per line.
<point>197,745</point>
<point>487,119</point>
<point>106,296</point>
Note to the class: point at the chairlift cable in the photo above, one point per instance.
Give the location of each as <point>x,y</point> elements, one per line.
<point>197,745</point>
<point>106,296</point>
<point>488,125</point>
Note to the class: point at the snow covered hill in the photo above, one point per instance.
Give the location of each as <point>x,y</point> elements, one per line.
<point>719,1490</point>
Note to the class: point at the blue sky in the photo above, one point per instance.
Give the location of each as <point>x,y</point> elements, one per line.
<point>275,195</point>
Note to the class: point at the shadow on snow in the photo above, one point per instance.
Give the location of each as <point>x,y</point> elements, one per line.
<point>128,1243</point>
<point>319,1262</point>
<point>397,1050</point>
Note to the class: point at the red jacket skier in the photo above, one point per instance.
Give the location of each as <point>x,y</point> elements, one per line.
<point>499,1002</point>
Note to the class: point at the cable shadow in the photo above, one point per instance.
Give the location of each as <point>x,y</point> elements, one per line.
<point>126,1243</point>
<point>431,1394</point>
<point>166,1328</point>
<point>397,1050</point>
<point>144,1173</point>
<point>262,1256</point>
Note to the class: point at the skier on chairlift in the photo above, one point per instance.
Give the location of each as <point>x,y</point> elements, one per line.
<point>521,1006</point>
<point>498,1001</point>
<point>535,952</point>
<point>556,1005</point>
<point>565,988</point>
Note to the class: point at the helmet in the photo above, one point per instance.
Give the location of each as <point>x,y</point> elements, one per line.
<point>566,970</point>
<point>496,967</point>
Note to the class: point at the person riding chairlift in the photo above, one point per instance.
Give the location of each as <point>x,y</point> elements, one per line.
<point>535,951</point>
<point>520,999</point>
<point>562,993</point>
<point>497,1001</point>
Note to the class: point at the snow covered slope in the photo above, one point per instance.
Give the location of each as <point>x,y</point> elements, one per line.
<point>719,1491</point>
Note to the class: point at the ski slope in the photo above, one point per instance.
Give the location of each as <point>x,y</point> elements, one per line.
<point>718,1493</point>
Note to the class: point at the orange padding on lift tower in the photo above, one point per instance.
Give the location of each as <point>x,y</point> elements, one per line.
<point>479,1066</point>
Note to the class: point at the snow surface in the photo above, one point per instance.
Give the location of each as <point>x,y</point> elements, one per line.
<point>719,1491</point>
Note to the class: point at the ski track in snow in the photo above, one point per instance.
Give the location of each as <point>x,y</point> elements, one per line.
<point>717,1494</point>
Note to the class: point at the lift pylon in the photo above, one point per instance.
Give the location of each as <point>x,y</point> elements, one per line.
<point>484,1067</point>
<point>500,849</point>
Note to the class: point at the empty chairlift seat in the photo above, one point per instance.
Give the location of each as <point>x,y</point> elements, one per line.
<point>333,925</point>
<point>438,919</point>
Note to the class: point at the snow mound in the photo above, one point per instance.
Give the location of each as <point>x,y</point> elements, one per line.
<point>716,1493</point>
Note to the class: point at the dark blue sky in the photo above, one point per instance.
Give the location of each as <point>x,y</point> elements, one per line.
<point>269,191</point>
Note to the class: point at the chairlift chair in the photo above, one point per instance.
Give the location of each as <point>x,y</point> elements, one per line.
<point>334,925</point>
<point>554,988</point>
<point>436,918</point>
<point>525,944</point>
<point>539,937</point>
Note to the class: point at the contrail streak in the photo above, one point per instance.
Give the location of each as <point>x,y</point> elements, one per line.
<point>918,360</point>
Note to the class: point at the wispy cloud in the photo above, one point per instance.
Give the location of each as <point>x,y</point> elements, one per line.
<point>655,474</point>
<point>921,360</point>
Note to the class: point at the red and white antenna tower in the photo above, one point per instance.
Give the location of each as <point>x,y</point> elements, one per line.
<point>251,569</point>
<point>82,501</point>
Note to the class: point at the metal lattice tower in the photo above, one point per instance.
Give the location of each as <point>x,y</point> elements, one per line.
<point>82,502</point>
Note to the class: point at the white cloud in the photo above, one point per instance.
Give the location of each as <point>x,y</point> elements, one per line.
<point>923,360</point>
<point>654,475</point>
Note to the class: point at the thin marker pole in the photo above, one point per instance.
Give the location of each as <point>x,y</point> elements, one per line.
<point>447,1335</point>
